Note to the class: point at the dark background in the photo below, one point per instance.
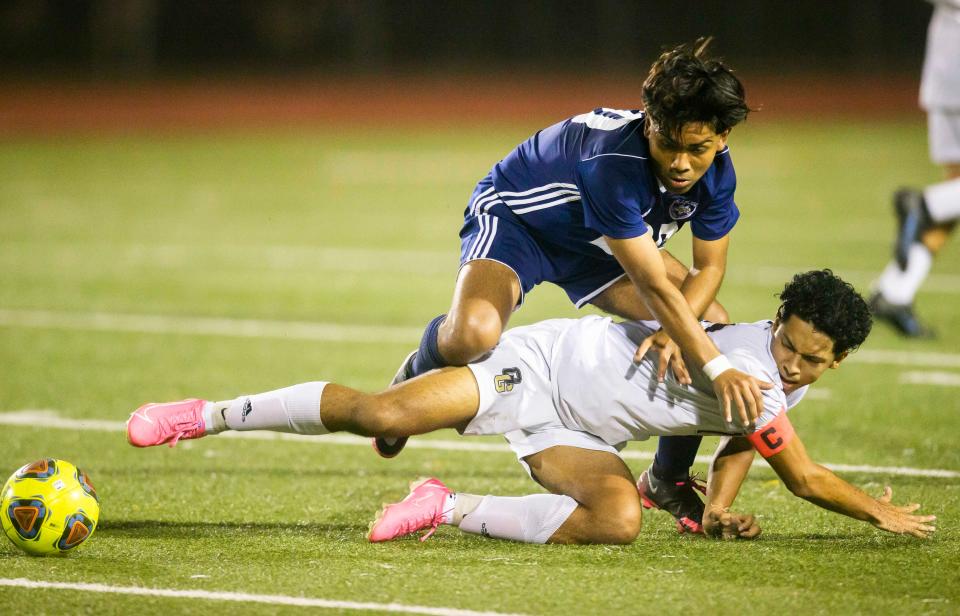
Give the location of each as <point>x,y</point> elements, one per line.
<point>144,39</point>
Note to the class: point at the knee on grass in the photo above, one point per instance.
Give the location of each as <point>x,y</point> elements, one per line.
<point>619,527</point>
<point>614,521</point>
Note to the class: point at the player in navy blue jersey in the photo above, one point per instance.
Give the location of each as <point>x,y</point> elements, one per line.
<point>587,204</point>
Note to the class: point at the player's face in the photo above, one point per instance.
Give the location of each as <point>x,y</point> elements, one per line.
<point>802,353</point>
<point>679,164</point>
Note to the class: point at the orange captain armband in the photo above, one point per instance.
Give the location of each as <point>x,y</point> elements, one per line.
<point>773,437</point>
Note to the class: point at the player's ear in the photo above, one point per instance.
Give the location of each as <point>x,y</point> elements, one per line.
<point>839,358</point>
<point>722,141</point>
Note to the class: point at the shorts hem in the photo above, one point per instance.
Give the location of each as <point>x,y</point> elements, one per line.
<point>589,296</point>
<point>524,443</point>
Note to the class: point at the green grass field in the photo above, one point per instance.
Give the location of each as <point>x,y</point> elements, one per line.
<point>131,265</point>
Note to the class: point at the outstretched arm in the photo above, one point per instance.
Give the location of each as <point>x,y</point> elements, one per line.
<point>820,486</point>
<point>728,469</point>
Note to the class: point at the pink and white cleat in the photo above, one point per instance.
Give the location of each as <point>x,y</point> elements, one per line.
<point>424,507</point>
<point>166,422</point>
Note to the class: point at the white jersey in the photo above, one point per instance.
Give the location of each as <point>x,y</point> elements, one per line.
<point>599,389</point>
<point>579,374</point>
<point>940,85</point>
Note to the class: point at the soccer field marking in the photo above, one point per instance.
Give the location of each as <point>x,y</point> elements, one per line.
<point>775,276</point>
<point>905,358</point>
<point>210,326</point>
<point>939,379</point>
<point>331,332</point>
<point>241,597</point>
<point>354,259</point>
<point>46,418</point>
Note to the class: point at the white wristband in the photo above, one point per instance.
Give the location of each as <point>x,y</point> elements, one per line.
<point>716,366</point>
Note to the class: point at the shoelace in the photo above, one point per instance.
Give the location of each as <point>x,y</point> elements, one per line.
<point>695,482</point>
<point>182,424</point>
<point>433,520</point>
<point>434,524</point>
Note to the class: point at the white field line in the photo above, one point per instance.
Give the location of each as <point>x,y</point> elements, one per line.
<point>906,358</point>
<point>352,259</point>
<point>209,326</point>
<point>241,597</point>
<point>52,419</point>
<point>940,379</point>
<point>330,332</point>
<point>429,168</point>
<point>775,277</point>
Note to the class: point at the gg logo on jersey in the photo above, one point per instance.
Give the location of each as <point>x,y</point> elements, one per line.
<point>505,381</point>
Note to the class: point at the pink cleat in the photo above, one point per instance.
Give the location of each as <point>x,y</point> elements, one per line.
<point>166,422</point>
<point>424,507</point>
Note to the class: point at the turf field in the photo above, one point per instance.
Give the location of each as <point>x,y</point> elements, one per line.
<point>138,269</point>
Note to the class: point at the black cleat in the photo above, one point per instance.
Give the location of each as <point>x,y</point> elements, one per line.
<point>389,447</point>
<point>900,316</point>
<point>912,221</point>
<point>678,498</point>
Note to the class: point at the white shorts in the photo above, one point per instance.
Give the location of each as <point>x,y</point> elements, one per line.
<point>943,128</point>
<point>517,398</point>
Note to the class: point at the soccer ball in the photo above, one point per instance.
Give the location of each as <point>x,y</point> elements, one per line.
<point>49,507</point>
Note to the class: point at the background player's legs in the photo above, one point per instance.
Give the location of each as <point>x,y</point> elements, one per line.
<point>927,220</point>
<point>485,296</point>
<point>943,208</point>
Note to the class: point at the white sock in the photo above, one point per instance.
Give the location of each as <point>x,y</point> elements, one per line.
<point>531,519</point>
<point>943,200</point>
<point>899,287</point>
<point>291,409</point>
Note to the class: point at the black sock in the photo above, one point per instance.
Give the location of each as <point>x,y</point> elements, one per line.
<point>675,455</point>
<point>428,355</point>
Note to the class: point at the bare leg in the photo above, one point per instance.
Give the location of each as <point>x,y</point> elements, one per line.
<point>608,504</point>
<point>445,398</point>
<point>483,300</point>
<point>937,235</point>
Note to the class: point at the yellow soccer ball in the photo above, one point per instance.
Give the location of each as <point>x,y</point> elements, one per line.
<point>49,507</point>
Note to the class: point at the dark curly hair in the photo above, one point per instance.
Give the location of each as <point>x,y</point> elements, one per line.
<point>831,305</point>
<point>684,86</point>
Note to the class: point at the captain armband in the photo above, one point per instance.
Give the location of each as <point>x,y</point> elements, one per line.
<point>774,437</point>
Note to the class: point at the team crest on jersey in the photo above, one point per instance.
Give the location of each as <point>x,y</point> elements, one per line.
<point>505,381</point>
<point>681,209</point>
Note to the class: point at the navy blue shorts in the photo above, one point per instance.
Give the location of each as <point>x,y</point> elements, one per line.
<point>505,240</point>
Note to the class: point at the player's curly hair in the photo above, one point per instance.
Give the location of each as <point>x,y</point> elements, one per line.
<point>685,86</point>
<point>831,305</point>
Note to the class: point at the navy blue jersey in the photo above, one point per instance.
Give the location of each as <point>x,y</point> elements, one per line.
<point>592,176</point>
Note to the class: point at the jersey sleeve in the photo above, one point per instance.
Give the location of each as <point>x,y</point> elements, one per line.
<point>613,195</point>
<point>721,212</point>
